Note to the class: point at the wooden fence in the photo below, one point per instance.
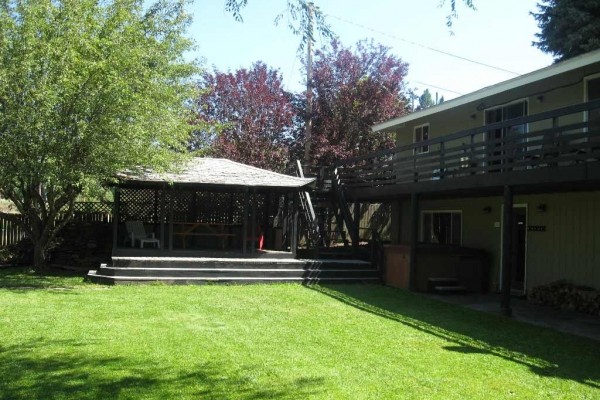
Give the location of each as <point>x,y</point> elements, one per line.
<point>11,233</point>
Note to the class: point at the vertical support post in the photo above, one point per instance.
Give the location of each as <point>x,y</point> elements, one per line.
<point>294,236</point>
<point>253,223</point>
<point>162,218</point>
<point>171,200</point>
<point>507,233</point>
<point>116,206</point>
<point>266,228</point>
<point>286,221</point>
<point>414,239</point>
<point>245,223</point>
<point>356,227</point>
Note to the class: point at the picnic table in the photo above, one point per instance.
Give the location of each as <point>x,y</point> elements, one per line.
<point>221,231</point>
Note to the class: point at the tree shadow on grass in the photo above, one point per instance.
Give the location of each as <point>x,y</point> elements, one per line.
<point>546,352</point>
<point>30,372</point>
<point>25,279</point>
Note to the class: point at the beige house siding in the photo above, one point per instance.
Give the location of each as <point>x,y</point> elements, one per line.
<point>568,249</point>
<point>560,91</point>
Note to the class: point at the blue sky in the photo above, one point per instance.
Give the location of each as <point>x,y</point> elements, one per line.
<point>499,33</point>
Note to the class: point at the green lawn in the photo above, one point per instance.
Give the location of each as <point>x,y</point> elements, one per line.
<point>62,338</point>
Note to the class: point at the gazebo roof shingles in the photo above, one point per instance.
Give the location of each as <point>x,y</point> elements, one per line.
<point>220,172</point>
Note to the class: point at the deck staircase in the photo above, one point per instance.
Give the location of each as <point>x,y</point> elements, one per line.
<point>199,270</point>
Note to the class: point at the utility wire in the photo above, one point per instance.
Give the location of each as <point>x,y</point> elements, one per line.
<point>422,45</point>
<point>437,87</point>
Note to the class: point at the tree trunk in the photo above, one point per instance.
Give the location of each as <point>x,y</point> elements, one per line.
<point>39,256</point>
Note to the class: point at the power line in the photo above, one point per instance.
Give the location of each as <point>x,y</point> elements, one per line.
<point>437,87</point>
<point>422,45</point>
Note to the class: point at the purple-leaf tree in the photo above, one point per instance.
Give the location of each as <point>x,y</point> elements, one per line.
<point>250,116</point>
<point>354,89</point>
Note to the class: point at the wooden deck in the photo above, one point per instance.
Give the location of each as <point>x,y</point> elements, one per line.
<point>547,156</point>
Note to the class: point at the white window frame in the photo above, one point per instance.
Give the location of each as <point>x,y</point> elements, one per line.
<point>420,149</point>
<point>422,224</point>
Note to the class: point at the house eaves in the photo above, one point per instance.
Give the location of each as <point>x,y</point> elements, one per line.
<point>535,76</point>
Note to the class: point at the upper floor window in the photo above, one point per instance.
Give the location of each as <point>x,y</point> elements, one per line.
<point>421,135</point>
<point>592,88</point>
<point>505,113</point>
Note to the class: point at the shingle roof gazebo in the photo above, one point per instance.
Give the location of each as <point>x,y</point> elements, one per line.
<point>210,204</point>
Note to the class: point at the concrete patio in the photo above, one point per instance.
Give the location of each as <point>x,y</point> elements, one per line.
<point>522,310</point>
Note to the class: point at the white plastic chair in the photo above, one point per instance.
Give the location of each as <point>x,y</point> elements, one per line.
<point>136,231</point>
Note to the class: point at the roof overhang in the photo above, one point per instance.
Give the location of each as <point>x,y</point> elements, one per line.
<point>535,76</point>
<point>218,174</point>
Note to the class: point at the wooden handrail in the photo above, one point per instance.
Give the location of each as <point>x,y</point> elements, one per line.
<point>449,156</point>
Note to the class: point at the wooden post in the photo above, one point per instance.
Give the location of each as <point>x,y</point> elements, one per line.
<point>294,233</point>
<point>414,239</point>
<point>266,228</point>
<point>253,223</point>
<point>356,233</point>
<point>245,223</point>
<point>171,199</point>
<point>286,221</point>
<point>116,206</point>
<point>507,222</point>
<point>162,218</point>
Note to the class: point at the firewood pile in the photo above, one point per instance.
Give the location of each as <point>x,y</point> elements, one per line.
<point>567,296</point>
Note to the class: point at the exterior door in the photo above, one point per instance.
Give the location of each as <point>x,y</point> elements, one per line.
<point>519,248</point>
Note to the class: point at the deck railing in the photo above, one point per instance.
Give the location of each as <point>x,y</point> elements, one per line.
<point>555,138</point>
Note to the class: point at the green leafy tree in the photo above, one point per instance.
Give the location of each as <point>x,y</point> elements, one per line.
<point>87,88</point>
<point>568,27</point>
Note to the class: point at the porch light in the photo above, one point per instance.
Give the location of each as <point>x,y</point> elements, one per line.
<point>487,209</point>
<point>542,207</point>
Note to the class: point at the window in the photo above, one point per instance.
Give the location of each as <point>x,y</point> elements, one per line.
<point>593,93</point>
<point>505,113</point>
<point>421,135</point>
<point>501,114</point>
<point>442,227</point>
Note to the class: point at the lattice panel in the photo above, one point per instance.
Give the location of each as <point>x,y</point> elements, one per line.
<point>187,206</point>
<point>92,207</point>
<point>140,205</point>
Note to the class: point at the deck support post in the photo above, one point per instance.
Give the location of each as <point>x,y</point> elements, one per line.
<point>266,229</point>
<point>356,227</point>
<point>414,238</point>
<point>171,199</point>
<point>162,219</point>
<point>294,233</point>
<point>116,206</point>
<point>286,222</point>
<point>245,222</point>
<point>253,223</point>
<point>507,233</point>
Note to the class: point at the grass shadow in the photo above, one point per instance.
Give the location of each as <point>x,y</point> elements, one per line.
<point>545,352</point>
<point>73,374</point>
<point>26,279</point>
